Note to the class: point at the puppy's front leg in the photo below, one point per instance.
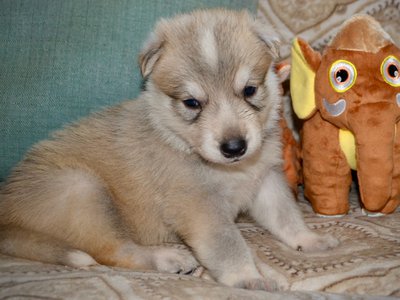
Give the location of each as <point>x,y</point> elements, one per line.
<point>276,210</point>
<point>220,248</point>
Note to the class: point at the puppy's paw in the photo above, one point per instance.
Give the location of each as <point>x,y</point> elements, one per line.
<point>312,242</point>
<point>178,261</point>
<point>258,284</point>
<point>248,277</point>
<point>79,259</point>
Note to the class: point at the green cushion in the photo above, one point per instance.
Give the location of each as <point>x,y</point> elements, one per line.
<point>60,60</point>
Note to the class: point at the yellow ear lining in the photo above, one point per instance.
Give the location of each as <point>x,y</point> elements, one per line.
<point>348,145</point>
<point>302,79</point>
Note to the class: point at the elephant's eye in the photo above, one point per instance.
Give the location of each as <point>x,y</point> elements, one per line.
<point>390,69</point>
<point>342,75</point>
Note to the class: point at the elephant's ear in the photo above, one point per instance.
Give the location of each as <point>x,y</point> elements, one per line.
<point>305,63</point>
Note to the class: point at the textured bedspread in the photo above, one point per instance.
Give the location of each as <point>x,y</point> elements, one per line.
<point>366,263</point>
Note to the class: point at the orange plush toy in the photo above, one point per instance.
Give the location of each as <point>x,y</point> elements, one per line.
<point>350,100</point>
<point>291,156</point>
<point>290,147</point>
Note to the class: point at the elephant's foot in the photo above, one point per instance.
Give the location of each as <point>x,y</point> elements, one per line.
<point>331,216</point>
<point>372,214</point>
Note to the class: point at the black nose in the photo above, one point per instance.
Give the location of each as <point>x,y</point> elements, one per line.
<point>234,148</point>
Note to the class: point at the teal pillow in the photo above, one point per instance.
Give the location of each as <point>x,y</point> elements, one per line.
<point>60,60</point>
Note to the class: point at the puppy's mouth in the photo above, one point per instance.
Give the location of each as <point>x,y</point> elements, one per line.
<point>235,161</point>
<point>225,161</point>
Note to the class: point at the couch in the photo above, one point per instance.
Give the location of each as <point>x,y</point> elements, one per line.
<point>60,60</point>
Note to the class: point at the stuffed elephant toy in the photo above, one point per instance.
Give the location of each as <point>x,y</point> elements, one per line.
<point>349,99</point>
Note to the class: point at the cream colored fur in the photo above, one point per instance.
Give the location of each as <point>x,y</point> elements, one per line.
<point>114,186</point>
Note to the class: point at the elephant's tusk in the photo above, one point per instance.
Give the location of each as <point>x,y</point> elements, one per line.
<point>335,109</point>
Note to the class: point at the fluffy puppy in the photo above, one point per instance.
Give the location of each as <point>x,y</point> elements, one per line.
<point>199,145</point>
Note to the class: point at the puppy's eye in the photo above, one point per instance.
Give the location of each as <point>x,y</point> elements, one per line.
<point>192,103</point>
<point>249,91</point>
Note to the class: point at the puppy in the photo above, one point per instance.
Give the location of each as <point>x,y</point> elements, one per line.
<point>199,145</point>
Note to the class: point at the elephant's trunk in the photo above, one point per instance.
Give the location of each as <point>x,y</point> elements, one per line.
<point>373,125</point>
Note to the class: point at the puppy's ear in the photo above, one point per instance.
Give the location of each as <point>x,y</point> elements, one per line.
<point>150,54</point>
<point>269,37</point>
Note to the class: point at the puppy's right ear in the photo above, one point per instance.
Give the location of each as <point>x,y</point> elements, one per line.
<point>150,54</point>
<point>269,37</point>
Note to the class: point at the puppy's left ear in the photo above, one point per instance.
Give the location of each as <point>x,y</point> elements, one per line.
<point>269,37</point>
<point>150,54</point>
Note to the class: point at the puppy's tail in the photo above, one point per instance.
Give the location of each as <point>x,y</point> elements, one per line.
<point>23,243</point>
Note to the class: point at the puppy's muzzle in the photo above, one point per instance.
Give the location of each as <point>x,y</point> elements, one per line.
<point>233,148</point>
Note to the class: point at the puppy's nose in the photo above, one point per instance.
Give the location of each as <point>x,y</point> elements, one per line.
<point>234,148</point>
